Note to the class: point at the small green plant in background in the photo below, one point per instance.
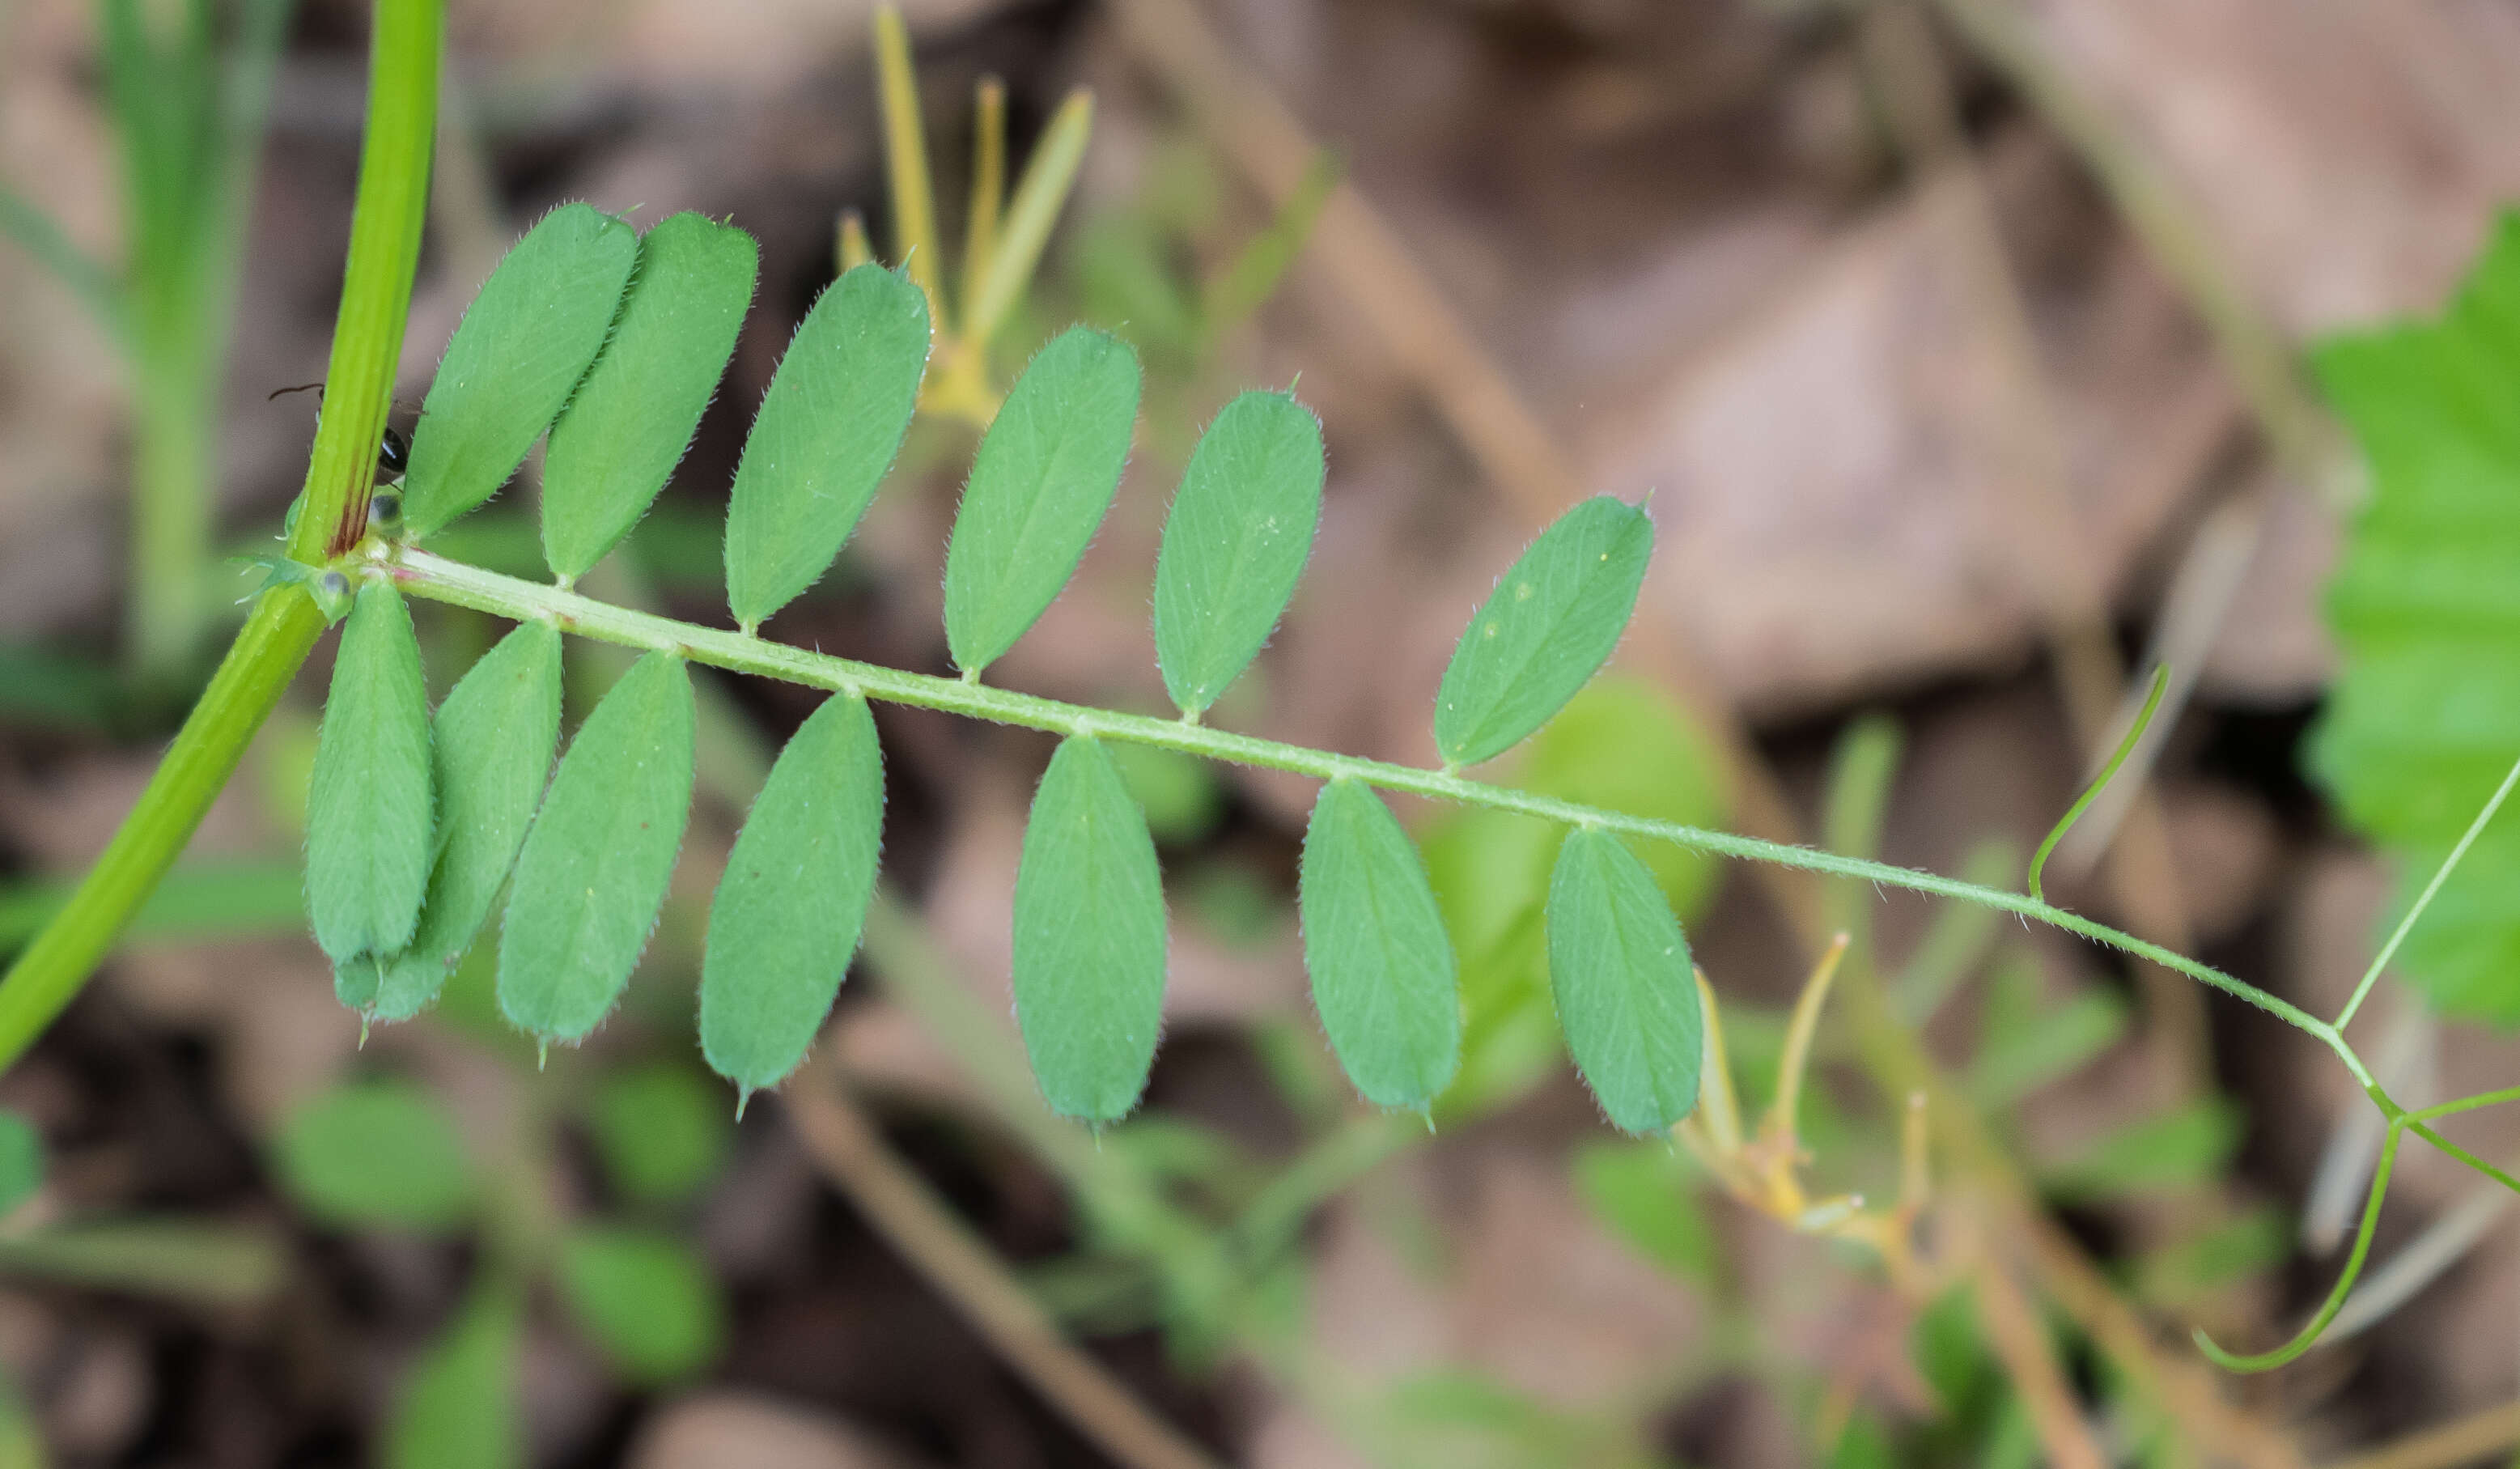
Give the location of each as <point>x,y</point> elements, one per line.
<point>385,1155</point>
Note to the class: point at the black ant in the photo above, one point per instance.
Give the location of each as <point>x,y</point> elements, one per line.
<point>394,454</point>
<point>394,457</point>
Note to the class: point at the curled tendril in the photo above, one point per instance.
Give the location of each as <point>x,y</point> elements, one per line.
<point>2401,1123</point>
<point>2099,782</point>
<point>2308,1336</point>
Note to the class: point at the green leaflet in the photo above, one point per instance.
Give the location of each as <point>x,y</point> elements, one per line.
<point>1549,623</point>
<point>493,743</point>
<point>376,1152</point>
<point>520,349</point>
<point>644,1298</point>
<point>661,1131</point>
<point>785,923</point>
<point>1374,941</point>
<point>2424,715</point>
<point>594,869</point>
<point>1089,938</point>
<point>1627,996</point>
<point>622,435</point>
<point>827,429</point>
<point>1236,542</point>
<point>1040,486</point>
<point>1620,745</point>
<point>367,803</point>
<point>459,1409</point>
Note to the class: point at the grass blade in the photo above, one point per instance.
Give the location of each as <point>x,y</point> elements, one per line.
<point>34,232</point>
<point>1230,297</point>
<point>1626,998</point>
<point>622,435</point>
<point>785,923</point>
<point>1039,488</point>
<point>1548,626</point>
<point>829,427</point>
<point>492,749</point>
<point>1039,195</point>
<point>519,351</point>
<point>988,185</point>
<point>1374,941</point>
<point>1089,938</point>
<point>905,143</point>
<point>1236,543</point>
<point>594,869</point>
<point>368,802</point>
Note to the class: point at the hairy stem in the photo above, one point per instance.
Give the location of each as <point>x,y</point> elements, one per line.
<point>282,628</point>
<point>433,577</point>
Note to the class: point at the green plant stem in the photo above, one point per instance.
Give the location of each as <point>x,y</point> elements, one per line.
<point>275,640</point>
<point>282,628</point>
<point>433,577</point>
<point>2423,900</point>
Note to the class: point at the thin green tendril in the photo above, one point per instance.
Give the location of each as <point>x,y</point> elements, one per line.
<point>2101,782</point>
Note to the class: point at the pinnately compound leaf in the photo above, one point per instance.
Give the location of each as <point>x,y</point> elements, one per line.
<point>593,872</point>
<point>492,751</point>
<point>827,429</point>
<point>631,419</point>
<point>519,351</point>
<point>1544,631</point>
<point>1627,996</point>
<point>1039,487</point>
<point>1236,542</point>
<point>785,920</point>
<point>1089,938</point>
<point>1374,941</point>
<point>368,804</point>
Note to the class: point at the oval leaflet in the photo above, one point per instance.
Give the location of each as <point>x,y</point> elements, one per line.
<point>523,344</point>
<point>1089,938</point>
<point>594,869</point>
<point>1547,628</point>
<point>1040,486</point>
<point>1235,543</point>
<point>368,813</point>
<point>1374,941</point>
<point>1627,995</point>
<point>492,751</point>
<point>827,429</point>
<point>630,421</point>
<point>785,923</point>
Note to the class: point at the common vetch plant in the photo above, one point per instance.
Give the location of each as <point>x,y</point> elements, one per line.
<point>605,344</point>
